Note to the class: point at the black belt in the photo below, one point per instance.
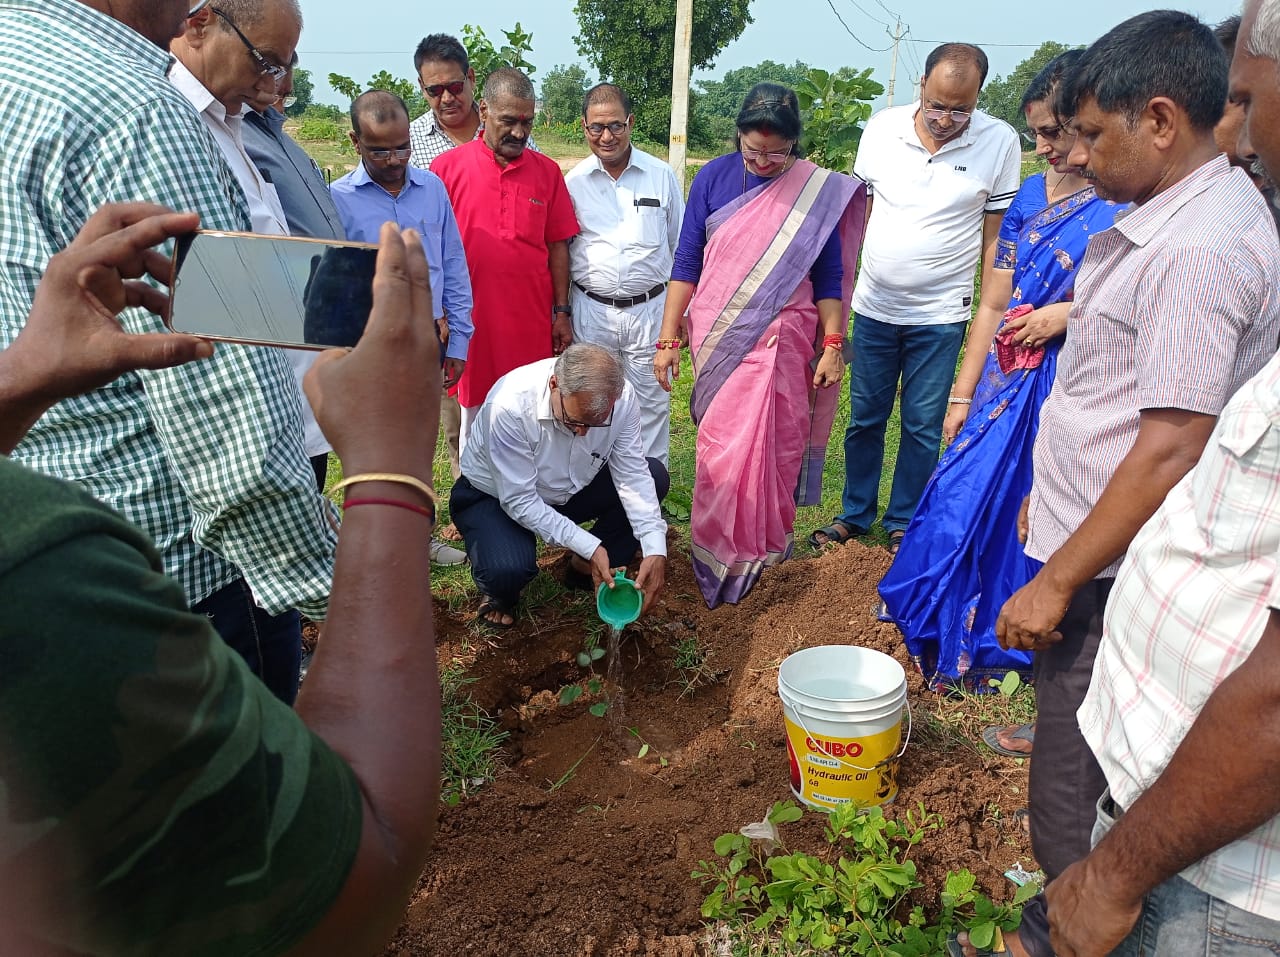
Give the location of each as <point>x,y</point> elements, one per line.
<point>625,301</point>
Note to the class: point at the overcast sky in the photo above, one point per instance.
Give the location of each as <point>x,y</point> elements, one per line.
<point>346,37</point>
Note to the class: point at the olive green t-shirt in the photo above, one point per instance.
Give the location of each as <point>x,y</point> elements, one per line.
<point>188,811</point>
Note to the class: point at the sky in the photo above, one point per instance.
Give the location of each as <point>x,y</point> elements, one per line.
<point>339,37</point>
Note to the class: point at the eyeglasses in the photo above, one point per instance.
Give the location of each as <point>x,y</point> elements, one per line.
<point>435,89</point>
<point>597,129</point>
<point>265,66</point>
<point>382,156</point>
<point>574,424</point>
<point>197,7</point>
<point>958,117</point>
<point>754,156</point>
<point>288,101</point>
<point>1050,133</point>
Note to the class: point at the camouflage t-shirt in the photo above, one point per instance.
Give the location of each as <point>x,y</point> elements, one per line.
<point>168,802</point>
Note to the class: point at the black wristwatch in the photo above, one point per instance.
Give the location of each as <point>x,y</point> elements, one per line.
<point>562,310</point>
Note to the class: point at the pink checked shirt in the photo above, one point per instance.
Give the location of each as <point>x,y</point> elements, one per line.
<point>1187,608</point>
<point>1176,305</point>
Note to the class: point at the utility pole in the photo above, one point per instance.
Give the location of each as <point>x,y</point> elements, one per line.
<point>678,146</point>
<point>893,70</point>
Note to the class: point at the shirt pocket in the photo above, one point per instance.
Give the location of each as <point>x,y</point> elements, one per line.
<point>647,226</point>
<point>1229,499</point>
<point>531,216</point>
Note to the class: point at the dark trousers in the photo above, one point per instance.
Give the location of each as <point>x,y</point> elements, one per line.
<point>270,644</point>
<point>320,465</point>
<point>1066,781</point>
<point>503,554</point>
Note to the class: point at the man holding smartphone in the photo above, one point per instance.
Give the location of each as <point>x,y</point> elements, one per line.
<point>385,188</point>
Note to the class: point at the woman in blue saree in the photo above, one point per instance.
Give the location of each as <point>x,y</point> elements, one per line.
<point>960,558</point>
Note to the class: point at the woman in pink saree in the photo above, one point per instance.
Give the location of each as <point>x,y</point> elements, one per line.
<point>765,268</point>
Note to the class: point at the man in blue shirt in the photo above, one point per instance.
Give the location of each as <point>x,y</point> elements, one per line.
<point>385,188</point>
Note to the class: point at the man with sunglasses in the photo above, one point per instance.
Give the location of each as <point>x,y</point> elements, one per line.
<point>448,84</point>
<point>557,442</point>
<point>207,459</point>
<point>940,174</point>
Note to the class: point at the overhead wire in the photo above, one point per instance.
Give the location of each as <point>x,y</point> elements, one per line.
<point>854,35</point>
<point>869,16</point>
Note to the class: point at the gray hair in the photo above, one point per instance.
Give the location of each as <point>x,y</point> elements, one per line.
<point>590,374</point>
<point>1264,38</point>
<point>508,81</point>
<point>249,13</point>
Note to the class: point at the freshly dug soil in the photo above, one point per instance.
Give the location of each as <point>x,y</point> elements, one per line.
<point>581,847</point>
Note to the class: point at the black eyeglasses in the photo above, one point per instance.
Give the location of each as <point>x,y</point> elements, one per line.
<point>574,424</point>
<point>435,89</point>
<point>265,66</point>
<point>597,129</point>
<point>383,155</point>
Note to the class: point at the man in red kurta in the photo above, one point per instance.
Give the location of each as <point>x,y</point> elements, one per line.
<point>516,219</point>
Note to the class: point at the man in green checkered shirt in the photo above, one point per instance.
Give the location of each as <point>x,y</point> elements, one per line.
<point>207,458</point>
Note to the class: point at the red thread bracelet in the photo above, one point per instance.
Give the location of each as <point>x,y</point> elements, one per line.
<point>833,342</point>
<point>428,514</point>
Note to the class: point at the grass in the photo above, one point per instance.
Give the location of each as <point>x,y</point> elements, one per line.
<point>955,720</point>
<point>470,739</point>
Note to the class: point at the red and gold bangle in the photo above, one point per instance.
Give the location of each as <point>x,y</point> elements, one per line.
<point>427,513</point>
<point>667,344</point>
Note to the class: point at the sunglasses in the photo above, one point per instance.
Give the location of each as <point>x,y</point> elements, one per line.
<point>435,89</point>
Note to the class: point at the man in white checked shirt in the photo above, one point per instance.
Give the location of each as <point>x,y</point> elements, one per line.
<point>1183,712</point>
<point>1176,306</point>
<point>629,208</point>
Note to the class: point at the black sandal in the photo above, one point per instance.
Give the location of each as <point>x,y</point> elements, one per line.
<point>487,607</point>
<point>837,533</point>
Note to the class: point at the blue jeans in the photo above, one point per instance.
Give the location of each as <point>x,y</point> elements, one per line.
<point>270,644</point>
<point>924,358</point>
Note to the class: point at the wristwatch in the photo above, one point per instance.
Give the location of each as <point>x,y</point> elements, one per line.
<point>562,310</point>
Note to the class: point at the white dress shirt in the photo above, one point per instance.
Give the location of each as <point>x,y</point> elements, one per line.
<point>625,245</point>
<point>265,212</point>
<point>524,456</point>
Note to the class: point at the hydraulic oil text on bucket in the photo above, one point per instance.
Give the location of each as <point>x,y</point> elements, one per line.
<point>843,706</point>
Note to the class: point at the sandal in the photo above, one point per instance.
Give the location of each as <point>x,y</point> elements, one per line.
<point>1022,732</point>
<point>837,533</point>
<point>487,607</point>
<point>895,540</point>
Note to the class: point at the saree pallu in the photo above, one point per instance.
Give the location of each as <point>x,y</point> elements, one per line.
<point>754,328</point>
<point>960,558</point>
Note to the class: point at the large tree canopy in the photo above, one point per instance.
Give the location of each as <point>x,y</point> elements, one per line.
<point>632,43</point>
<point>1002,95</point>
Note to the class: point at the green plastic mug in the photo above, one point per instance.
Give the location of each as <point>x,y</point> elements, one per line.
<point>620,605</point>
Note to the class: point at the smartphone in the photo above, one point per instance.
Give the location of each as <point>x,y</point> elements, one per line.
<point>271,290</point>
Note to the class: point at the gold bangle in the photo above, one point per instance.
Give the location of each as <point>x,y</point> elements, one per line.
<point>396,477</point>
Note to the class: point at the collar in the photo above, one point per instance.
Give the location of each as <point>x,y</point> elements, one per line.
<point>432,125</point>
<point>599,165</point>
<point>105,29</point>
<point>543,408</point>
<point>414,177</point>
<point>1141,224</point>
<point>198,94</point>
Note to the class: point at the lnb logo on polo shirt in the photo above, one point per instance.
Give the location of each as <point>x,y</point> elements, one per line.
<point>961,169</point>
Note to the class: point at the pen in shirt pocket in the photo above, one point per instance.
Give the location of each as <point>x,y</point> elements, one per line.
<point>647,201</point>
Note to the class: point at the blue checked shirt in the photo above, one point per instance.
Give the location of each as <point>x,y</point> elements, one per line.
<point>207,458</point>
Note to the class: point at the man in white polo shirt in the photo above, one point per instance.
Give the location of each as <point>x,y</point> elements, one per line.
<point>629,208</point>
<point>941,173</point>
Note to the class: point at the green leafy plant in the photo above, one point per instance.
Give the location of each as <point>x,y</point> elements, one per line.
<point>1008,685</point>
<point>837,106</point>
<point>470,739</point>
<point>485,57</point>
<point>855,903</point>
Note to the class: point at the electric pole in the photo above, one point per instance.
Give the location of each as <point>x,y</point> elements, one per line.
<point>893,70</point>
<point>679,142</point>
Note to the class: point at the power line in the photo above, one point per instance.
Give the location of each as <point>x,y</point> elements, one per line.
<point>888,11</point>
<point>868,15</point>
<point>852,34</point>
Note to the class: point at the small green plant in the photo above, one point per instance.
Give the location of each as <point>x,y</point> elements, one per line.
<point>315,129</point>
<point>644,747</point>
<point>568,775</point>
<point>1009,685</point>
<point>856,904</point>
<point>692,661</point>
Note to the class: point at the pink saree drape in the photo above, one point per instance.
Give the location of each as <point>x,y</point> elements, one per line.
<point>754,329</point>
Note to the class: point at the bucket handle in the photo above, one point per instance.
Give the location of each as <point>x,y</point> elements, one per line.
<point>903,750</point>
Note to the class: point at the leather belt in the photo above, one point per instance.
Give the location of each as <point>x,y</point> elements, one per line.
<point>625,301</point>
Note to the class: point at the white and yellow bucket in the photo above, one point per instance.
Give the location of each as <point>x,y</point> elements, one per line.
<point>843,708</point>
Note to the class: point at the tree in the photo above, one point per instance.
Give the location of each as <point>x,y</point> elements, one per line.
<point>485,58</point>
<point>1002,95</point>
<point>718,101</point>
<point>562,91</point>
<point>632,43</point>
<point>303,89</point>
<point>837,106</point>
<point>407,90</point>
